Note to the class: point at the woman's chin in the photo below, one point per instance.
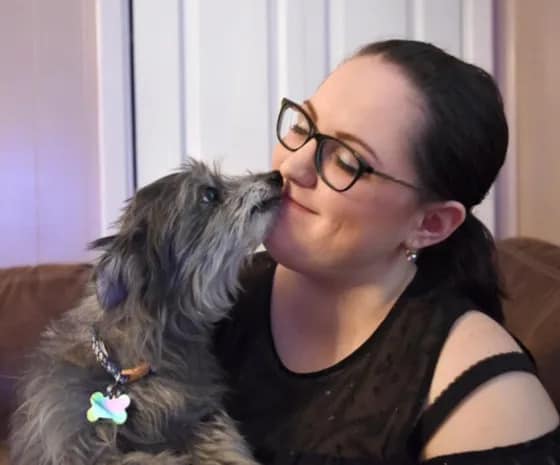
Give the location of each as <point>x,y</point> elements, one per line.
<point>281,246</point>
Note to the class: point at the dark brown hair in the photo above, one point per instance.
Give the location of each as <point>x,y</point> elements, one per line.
<point>458,153</point>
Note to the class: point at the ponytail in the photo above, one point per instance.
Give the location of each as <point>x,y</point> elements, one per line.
<point>458,149</point>
<point>467,261</point>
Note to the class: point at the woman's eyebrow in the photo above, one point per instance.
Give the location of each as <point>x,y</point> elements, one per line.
<point>309,106</point>
<point>343,135</point>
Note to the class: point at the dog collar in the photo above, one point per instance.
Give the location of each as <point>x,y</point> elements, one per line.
<point>113,404</point>
<point>121,376</point>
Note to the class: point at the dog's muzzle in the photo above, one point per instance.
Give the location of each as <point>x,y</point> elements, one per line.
<point>273,198</point>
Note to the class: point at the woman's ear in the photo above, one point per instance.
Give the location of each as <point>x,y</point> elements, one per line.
<point>109,277</point>
<point>436,223</point>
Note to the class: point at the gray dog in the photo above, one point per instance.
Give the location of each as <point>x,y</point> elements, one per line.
<point>129,377</point>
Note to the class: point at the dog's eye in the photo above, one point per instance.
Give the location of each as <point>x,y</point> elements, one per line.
<point>210,194</point>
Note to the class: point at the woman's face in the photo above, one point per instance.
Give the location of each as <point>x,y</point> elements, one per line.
<point>370,105</point>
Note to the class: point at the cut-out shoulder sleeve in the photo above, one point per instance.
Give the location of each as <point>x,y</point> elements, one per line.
<point>544,450</point>
<point>541,451</point>
<point>434,416</point>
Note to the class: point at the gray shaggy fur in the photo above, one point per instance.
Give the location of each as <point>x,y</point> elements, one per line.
<point>161,283</point>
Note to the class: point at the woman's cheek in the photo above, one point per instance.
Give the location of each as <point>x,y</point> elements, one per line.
<point>278,156</point>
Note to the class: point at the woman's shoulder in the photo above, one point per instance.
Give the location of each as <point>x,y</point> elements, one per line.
<point>510,408</point>
<point>474,336</point>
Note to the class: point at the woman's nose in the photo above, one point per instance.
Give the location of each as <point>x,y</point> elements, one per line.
<point>298,166</point>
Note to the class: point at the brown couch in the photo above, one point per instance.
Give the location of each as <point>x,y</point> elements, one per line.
<point>31,296</point>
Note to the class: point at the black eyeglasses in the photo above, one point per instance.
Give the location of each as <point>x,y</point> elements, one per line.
<point>337,164</point>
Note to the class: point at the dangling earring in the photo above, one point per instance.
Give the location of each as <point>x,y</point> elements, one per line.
<point>411,255</point>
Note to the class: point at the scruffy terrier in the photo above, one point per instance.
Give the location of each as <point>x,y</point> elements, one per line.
<point>128,377</point>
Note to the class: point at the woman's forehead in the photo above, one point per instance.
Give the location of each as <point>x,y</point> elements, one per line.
<point>367,83</point>
<point>372,100</point>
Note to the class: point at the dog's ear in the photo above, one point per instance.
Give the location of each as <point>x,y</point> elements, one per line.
<point>103,243</point>
<point>109,281</point>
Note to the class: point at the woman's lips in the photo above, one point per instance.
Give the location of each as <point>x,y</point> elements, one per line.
<point>292,202</point>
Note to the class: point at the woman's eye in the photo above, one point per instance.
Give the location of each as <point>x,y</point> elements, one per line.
<point>210,195</point>
<point>347,162</point>
<point>299,130</point>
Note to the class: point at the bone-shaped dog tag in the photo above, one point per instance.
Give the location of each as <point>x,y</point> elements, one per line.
<point>110,408</point>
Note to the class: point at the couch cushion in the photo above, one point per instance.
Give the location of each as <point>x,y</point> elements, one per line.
<point>531,272</point>
<point>29,298</point>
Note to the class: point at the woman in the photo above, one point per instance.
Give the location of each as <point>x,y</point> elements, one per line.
<point>370,331</point>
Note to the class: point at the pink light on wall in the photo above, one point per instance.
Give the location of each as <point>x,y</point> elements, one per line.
<point>49,194</point>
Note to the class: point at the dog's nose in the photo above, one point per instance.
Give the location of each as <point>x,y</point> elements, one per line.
<point>274,178</point>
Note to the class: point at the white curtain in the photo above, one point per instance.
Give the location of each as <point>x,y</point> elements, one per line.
<point>209,74</point>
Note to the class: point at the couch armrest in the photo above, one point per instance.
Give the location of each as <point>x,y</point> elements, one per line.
<point>29,298</point>
<point>531,273</point>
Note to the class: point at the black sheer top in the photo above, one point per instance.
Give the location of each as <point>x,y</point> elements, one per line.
<point>366,409</point>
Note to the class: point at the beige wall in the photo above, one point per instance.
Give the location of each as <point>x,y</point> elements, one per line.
<point>49,194</point>
<point>530,74</point>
